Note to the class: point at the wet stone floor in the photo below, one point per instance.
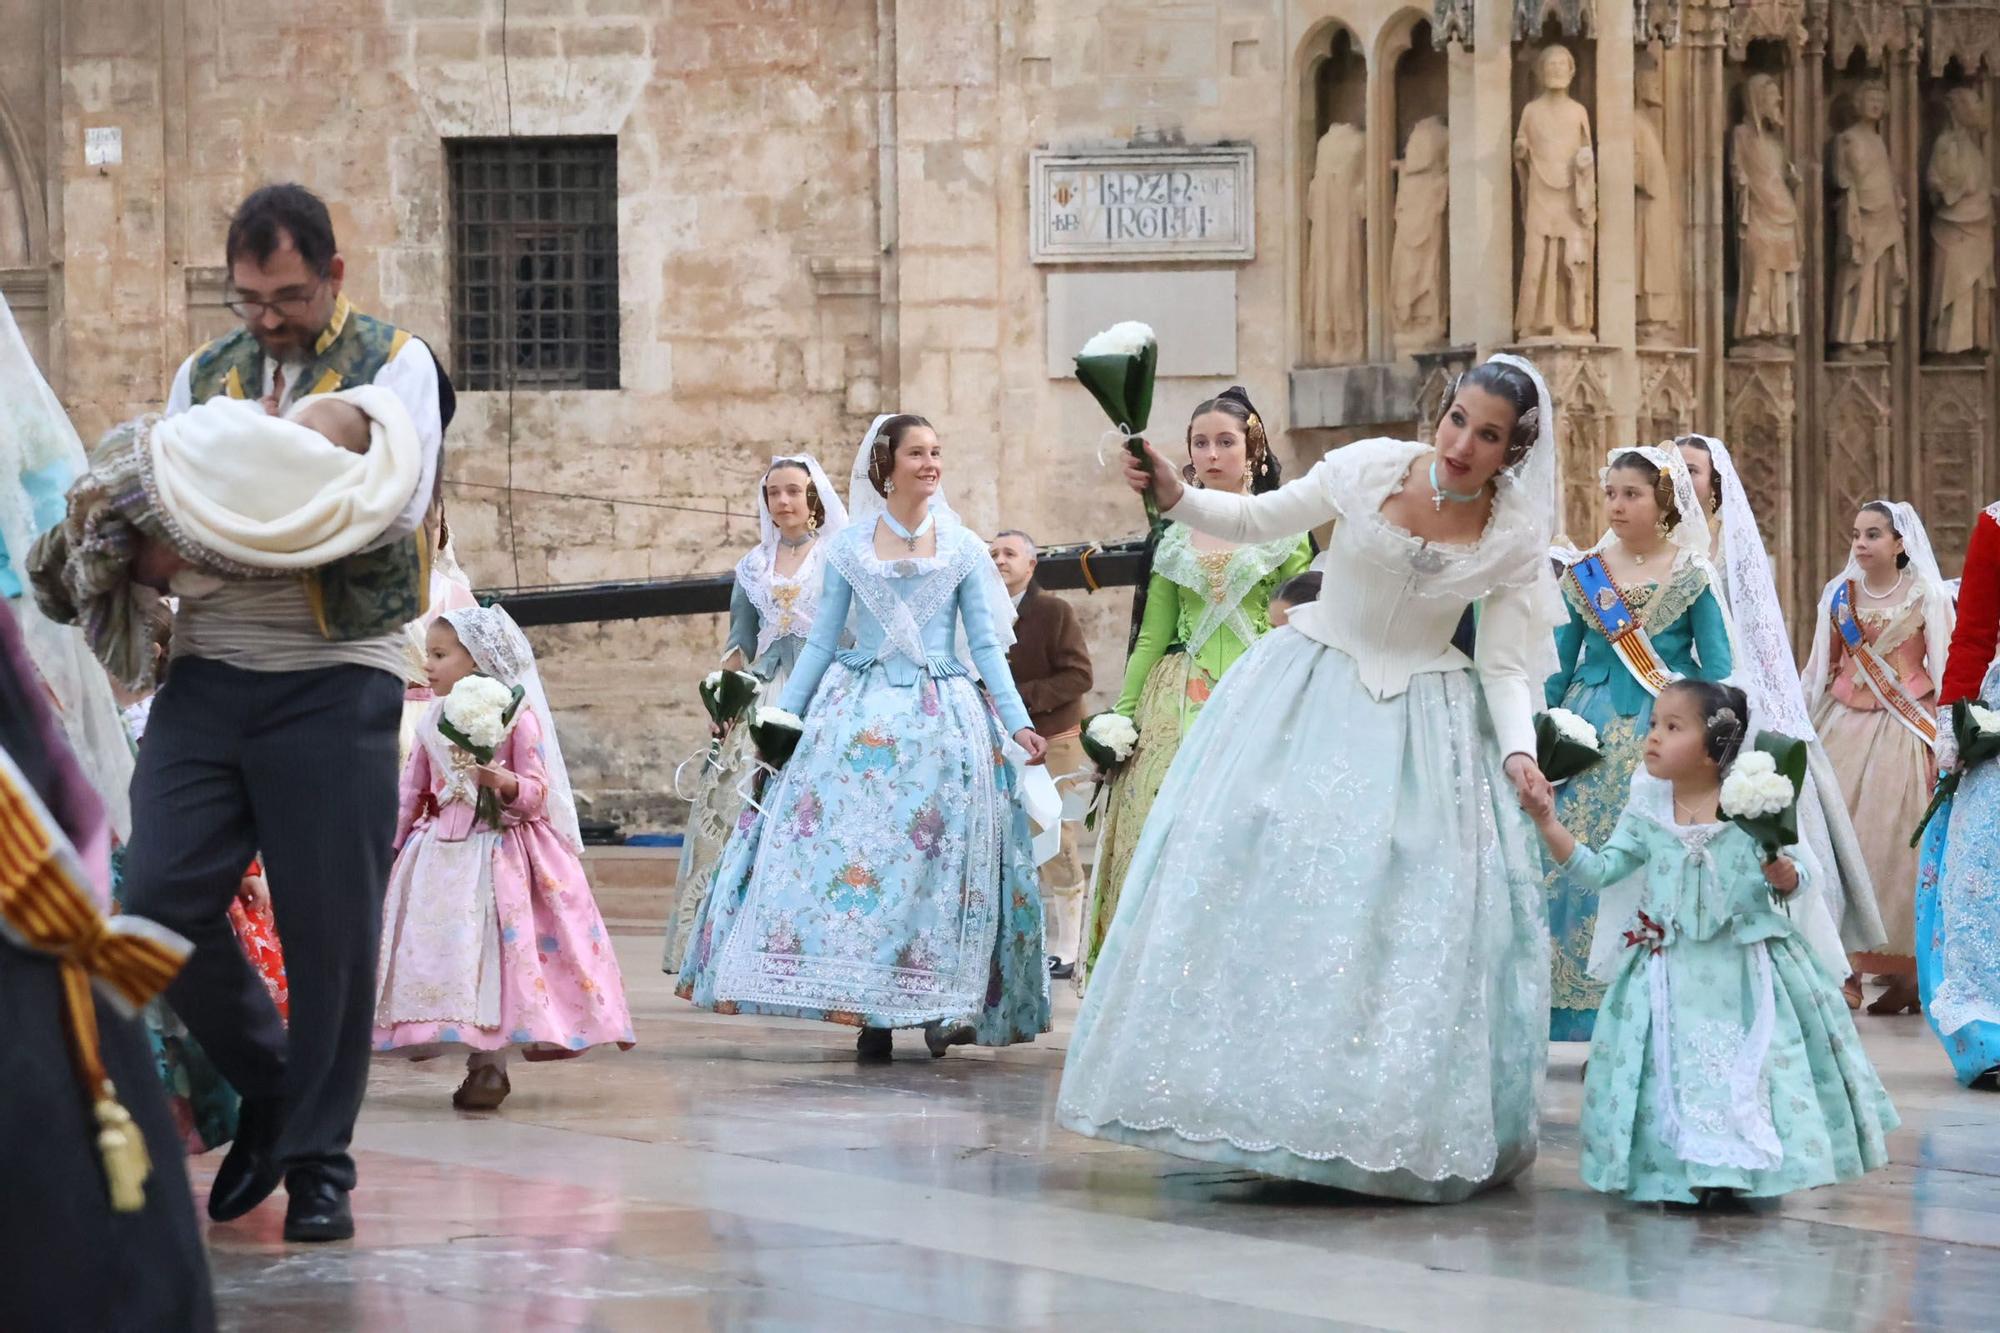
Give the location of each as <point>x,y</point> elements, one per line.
<point>743,1173</point>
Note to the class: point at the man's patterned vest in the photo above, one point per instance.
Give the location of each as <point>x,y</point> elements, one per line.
<point>372,592</point>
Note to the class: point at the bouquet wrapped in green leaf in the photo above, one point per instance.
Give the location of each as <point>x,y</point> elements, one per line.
<point>726,695</point>
<point>1976,728</point>
<point>475,718</point>
<point>1761,793</point>
<point>776,734</point>
<point>1565,745</point>
<point>1117,367</point>
<point>1108,738</point>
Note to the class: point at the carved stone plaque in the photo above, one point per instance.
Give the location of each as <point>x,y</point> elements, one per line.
<point>1142,205</point>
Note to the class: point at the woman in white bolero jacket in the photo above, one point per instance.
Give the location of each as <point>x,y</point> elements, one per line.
<point>1331,959</point>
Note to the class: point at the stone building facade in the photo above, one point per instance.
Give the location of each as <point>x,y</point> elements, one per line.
<point>826,208</point>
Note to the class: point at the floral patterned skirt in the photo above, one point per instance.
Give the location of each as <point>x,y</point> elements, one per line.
<point>889,881</point>
<point>1588,806</point>
<point>1174,693</point>
<point>1958,920</point>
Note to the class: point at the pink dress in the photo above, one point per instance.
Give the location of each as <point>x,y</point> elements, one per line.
<point>490,939</point>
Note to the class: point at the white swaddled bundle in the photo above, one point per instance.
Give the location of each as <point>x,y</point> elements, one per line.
<point>271,495</point>
<point>234,492</point>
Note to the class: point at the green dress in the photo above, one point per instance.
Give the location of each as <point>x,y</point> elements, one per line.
<point>1724,1057</point>
<point>1203,611</point>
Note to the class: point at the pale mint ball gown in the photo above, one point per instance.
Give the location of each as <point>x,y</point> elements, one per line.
<point>889,881</point>
<point>1724,1057</point>
<point>1330,960</point>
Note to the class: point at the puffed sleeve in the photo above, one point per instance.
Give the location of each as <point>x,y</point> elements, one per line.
<point>1296,507</point>
<point>987,654</point>
<point>1508,627</point>
<point>828,622</point>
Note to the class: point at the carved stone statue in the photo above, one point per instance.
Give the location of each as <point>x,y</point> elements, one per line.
<point>1556,172</point>
<point>1960,181</point>
<point>1336,296</point>
<point>1872,273</point>
<point>1768,243</point>
<point>1658,217</point>
<point>1419,263</point>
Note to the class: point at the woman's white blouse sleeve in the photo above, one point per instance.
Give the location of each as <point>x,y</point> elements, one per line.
<point>1501,651</point>
<point>1296,507</point>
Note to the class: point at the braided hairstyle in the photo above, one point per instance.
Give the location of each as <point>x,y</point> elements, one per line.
<point>882,457</point>
<point>1725,717</point>
<point>1266,474</point>
<point>1663,484</point>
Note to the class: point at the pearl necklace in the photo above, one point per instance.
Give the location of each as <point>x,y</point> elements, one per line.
<point>1894,588</point>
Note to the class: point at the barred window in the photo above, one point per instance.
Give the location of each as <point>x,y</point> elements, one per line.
<point>534,226</point>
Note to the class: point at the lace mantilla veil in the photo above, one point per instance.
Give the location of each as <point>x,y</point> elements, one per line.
<point>1939,605</point>
<point>35,434</point>
<point>753,571</point>
<point>1523,527</point>
<point>500,650</point>
<point>1690,535</point>
<point>866,505</point>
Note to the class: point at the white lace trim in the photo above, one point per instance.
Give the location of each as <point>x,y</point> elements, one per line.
<point>755,574</point>
<point>921,586</point>
<point>1969,901</point>
<point>1742,1134</point>
<point>1176,558</point>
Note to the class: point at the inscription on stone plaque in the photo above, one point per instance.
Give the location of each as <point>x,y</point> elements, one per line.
<point>1142,205</point>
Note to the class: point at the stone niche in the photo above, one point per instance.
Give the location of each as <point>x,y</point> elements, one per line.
<point>1868,266</point>
<point>1334,167</point>
<point>1554,150</point>
<point>1418,254</point>
<point>1764,254</point>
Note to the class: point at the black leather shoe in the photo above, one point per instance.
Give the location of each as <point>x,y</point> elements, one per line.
<point>317,1211</point>
<point>250,1171</point>
<point>874,1046</point>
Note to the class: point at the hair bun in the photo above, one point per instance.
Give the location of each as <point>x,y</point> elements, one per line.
<point>1238,393</point>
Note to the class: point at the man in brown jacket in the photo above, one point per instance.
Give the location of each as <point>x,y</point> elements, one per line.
<point>1051,666</point>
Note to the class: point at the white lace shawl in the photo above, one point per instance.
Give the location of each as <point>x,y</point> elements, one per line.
<point>1939,611</point>
<point>756,571</point>
<point>903,595</point>
<point>1177,559</point>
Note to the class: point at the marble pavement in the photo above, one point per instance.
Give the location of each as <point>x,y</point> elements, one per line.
<point>741,1173</point>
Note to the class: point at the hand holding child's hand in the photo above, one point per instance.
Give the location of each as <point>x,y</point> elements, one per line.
<point>1539,802</point>
<point>1782,874</point>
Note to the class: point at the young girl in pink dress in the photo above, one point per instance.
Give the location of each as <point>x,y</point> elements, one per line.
<point>491,940</point>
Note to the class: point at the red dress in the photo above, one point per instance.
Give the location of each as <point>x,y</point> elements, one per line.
<point>258,934</point>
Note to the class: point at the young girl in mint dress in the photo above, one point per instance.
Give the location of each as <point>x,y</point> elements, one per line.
<point>1649,580</point>
<point>1724,1059</point>
<point>1205,602</point>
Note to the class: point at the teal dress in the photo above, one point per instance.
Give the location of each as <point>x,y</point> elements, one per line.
<point>1724,1057</point>
<point>1684,620</point>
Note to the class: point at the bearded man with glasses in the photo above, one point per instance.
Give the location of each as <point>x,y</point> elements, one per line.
<point>277,735</point>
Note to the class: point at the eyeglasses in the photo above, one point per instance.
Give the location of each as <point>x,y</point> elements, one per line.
<point>286,307</point>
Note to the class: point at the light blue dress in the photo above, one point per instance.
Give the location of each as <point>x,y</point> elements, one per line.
<point>889,881</point>
<point>1684,620</point>
<point>1329,962</point>
<point>1958,918</point>
<point>1724,1056</point>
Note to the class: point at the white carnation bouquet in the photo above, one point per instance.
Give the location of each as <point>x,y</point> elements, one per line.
<point>776,734</point>
<point>476,717</point>
<point>727,695</point>
<point>1118,366</point>
<point>1760,793</point>
<point>1109,738</point>
<point>1565,744</point>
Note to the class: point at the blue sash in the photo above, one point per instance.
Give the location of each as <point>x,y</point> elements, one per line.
<point>1615,621</point>
<point>1882,680</point>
